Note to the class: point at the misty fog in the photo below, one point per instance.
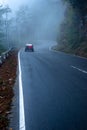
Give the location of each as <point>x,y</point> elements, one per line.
<point>36,20</point>
<point>46,18</point>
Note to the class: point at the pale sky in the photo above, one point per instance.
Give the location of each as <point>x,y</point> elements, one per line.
<point>13,4</point>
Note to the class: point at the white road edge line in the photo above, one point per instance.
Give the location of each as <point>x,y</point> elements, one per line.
<point>21,100</point>
<point>79,69</point>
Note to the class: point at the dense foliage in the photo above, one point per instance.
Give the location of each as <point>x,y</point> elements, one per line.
<point>79,4</point>
<point>81,7</point>
<point>3,25</point>
<point>73,31</point>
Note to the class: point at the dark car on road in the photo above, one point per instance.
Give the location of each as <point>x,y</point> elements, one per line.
<point>29,47</point>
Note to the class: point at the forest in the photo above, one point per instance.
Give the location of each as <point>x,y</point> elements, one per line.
<point>73,30</point>
<point>71,36</point>
<point>4,27</point>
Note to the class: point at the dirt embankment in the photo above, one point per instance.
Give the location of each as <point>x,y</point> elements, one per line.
<point>81,50</point>
<point>7,80</point>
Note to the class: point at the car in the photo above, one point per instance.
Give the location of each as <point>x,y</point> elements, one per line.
<point>29,47</point>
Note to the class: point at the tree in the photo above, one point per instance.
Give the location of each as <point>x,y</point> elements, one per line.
<point>3,22</point>
<point>81,7</point>
<point>23,22</point>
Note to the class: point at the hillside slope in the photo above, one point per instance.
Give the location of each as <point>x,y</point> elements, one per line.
<point>73,31</point>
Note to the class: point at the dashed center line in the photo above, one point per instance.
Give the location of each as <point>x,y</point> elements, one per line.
<point>83,71</point>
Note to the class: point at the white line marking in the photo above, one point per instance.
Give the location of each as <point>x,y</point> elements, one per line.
<point>21,100</point>
<point>79,69</point>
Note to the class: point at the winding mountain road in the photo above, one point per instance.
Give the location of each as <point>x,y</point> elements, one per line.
<point>54,88</point>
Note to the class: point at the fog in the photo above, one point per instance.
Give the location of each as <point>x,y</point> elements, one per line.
<point>46,19</point>
<point>42,21</point>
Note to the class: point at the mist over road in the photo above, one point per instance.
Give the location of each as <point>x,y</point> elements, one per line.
<point>55,93</point>
<point>35,20</point>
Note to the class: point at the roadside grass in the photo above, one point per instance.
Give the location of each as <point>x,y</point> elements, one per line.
<point>80,50</point>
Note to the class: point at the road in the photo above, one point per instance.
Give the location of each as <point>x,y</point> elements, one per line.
<point>54,90</point>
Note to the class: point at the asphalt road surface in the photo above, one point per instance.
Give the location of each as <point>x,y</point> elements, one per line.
<point>54,90</point>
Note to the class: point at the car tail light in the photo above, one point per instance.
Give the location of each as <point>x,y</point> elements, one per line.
<point>30,47</point>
